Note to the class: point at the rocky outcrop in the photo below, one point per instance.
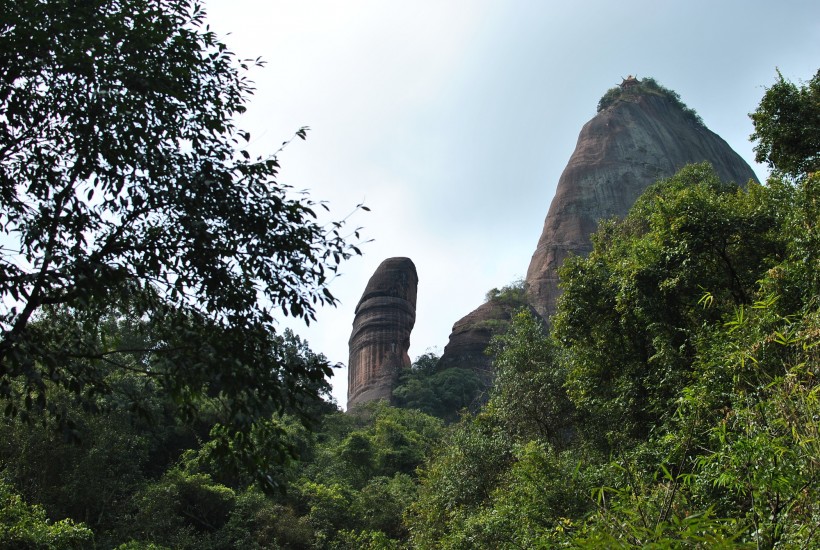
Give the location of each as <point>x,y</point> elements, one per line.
<point>641,136</point>
<point>380,339</point>
<point>472,334</point>
<point>628,146</point>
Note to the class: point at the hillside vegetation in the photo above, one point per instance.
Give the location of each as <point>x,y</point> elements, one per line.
<point>672,401</point>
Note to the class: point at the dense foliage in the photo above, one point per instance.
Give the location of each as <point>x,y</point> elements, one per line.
<point>161,483</point>
<point>26,526</point>
<point>786,125</point>
<point>126,197</point>
<point>443,393</point>
<point>682,367</point>
<point>631,317</point>
<point>671,402</point>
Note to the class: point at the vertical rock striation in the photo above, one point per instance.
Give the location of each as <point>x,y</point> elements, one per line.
<point>628,146</point>
<point>380,339</point>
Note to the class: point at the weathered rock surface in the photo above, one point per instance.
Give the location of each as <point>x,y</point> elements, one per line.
<point>622,151</point>
<point>380,339</point>
<point>472,334</point>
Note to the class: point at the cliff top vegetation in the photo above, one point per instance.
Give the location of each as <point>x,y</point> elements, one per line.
<point>645,86</point>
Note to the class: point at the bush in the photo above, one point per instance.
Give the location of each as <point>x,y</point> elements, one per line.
<point>650,86</point>
<point>25,526</point>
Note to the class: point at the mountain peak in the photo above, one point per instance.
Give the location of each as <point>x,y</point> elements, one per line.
<point>642,133</point>
<point>631,89</point>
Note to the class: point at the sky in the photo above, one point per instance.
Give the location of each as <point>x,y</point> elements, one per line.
<point>452,120</point>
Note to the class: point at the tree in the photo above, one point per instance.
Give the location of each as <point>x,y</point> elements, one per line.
<point>358,477</point>
<point>458,480</point>
<point>528,393</point>
<point>787,126</point>
<point>631,313</point>
<point>124,190</point>
<point>26,526</point>
<point>182,510</point>
<point>440,393</point>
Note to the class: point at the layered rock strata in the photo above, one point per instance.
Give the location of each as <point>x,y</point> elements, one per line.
<point>380,339</point>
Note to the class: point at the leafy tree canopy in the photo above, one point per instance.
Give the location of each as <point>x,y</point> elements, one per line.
<point>528,394</point>
<point>787,126</point>
<point>514,294</point>
<point>440,393</point>
<point>26,526</point>
<point>630,312</point>
<point>125,191</point>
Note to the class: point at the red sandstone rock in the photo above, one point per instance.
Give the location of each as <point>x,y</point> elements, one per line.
<point>380,338</point>
<point>622,151</point>
<point>625,148</point>
<point>472,334</point>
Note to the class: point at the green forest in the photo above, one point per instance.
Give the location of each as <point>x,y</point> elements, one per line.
<point>151,401</point>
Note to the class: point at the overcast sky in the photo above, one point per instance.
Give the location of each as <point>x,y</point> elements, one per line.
<point>452,120</point>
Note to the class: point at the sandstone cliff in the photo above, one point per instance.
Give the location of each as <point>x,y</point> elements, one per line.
<point>623,150</point>
<point>472,333</point>
<point>644,133</point>
<point>380,339</point>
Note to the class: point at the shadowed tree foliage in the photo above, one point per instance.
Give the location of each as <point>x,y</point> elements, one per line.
<point>630,313</point>
<point>528,393</point>
<point>125,191</point>
<point>440,393</point>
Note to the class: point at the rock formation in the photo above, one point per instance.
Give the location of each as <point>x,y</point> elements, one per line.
<point>472,333</point>
<point>470,337</point>
<point>628,146</point>
<point>380,339</point>
<point>642,135</point>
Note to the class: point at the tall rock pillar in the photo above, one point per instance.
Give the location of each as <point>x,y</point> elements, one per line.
<point>380,339</point>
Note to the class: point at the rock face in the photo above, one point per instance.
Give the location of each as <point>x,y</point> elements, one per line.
<point>470,337</point>
<point>472,334</point>
<point>620,152</point>
<point>638,139</point>
<point>380,339</point>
